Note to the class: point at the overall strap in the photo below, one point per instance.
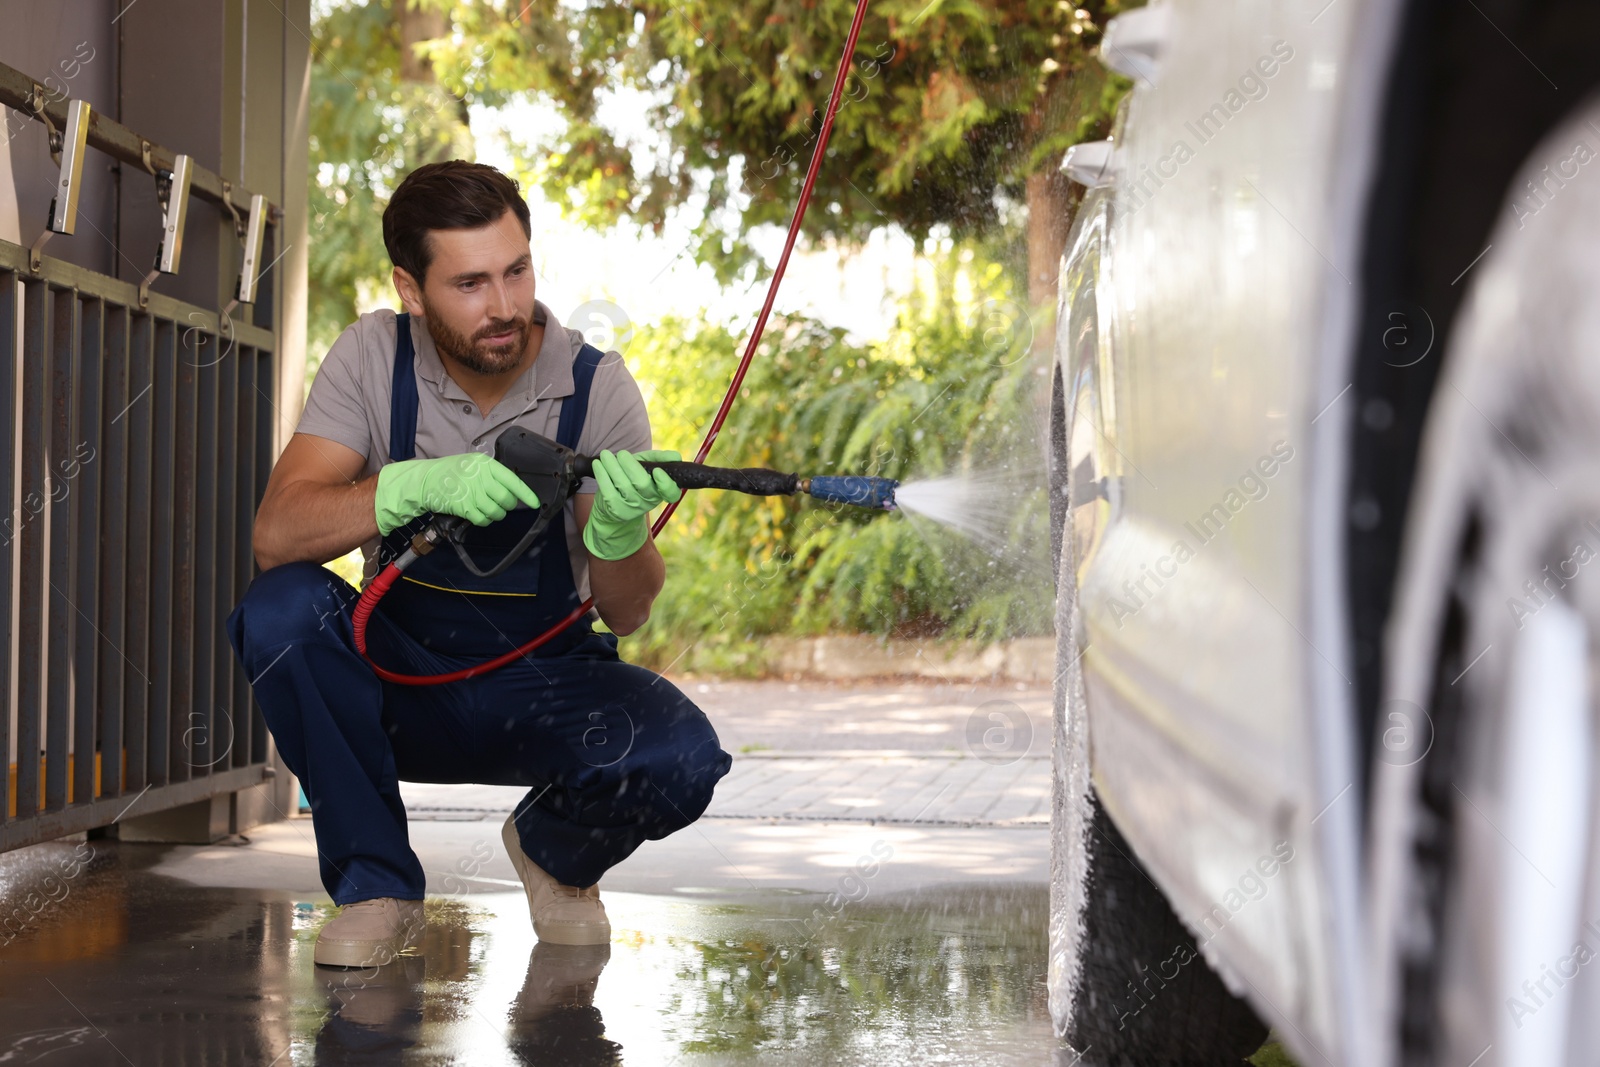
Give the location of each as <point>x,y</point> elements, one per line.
<point>575,408</point>
<point>403,394</point>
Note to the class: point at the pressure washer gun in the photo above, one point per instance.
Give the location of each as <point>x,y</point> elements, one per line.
<point>554,472</point>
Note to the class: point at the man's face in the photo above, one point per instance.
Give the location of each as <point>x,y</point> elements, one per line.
<point>477,301</point>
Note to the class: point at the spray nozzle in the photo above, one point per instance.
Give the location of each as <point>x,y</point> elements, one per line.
<point>857,489</point>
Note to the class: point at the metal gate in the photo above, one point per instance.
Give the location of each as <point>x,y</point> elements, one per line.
<point>138,435</point>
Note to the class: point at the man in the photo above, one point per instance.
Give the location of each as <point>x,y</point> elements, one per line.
<point>400,424</point>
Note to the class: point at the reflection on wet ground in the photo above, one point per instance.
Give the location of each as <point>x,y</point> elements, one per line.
<point>113,964</point>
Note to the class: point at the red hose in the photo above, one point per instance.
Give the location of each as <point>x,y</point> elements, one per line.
<point>380,585</point>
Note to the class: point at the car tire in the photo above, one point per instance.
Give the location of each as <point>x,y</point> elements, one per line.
<point>1486,876</point>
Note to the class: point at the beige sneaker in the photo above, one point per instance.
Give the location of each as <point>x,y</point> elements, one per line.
<point>562,914</point>
<point>370,933</point>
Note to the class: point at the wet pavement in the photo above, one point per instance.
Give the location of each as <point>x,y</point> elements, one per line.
<point>105,961</point>
<point>876,896</point>
<point>862,935</point>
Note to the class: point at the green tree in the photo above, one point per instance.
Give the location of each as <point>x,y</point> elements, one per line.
<point>956,112</point>
<point>377,112</point>
<point>955,115</point>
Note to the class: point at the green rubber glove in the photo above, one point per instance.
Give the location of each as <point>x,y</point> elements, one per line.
<point>474,486</point>
<point>619,524</point>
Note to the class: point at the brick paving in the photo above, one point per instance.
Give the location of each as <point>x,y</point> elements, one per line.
<point>790,763</point>
<point>914,788</point>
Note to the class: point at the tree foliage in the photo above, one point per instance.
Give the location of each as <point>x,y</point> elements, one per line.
<point>368,128</point>
<point>949,106</point>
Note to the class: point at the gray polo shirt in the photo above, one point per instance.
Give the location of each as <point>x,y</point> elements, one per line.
<point>349,403</point>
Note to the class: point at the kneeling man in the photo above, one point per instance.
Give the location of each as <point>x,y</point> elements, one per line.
<point>400,426</point>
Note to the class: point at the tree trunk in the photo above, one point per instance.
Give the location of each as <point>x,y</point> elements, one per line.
<point>1051,202</point>
<point>1052,199</point>
<point>417,24</point>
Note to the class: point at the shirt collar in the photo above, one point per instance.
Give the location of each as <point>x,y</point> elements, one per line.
<point>550,376</point>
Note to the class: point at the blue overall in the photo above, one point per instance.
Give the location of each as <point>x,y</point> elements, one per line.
<point>612,754</point>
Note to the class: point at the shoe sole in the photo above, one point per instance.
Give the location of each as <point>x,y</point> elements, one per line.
<point>353,954</point>
<point>364,953</point>
<point>579,934</point>
<point>554,933</point>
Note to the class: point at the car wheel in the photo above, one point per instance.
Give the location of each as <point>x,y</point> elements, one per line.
<point>1486,878</point>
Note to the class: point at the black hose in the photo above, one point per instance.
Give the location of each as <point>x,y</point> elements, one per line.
<point>756,481</point>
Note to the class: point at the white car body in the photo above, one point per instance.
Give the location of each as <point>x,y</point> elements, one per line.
<point>1213,654</point>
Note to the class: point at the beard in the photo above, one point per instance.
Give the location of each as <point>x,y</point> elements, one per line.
<point>471,352</point>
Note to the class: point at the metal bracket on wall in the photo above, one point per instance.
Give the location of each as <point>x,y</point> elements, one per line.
<point>252,234</point>
<point>172,190</point>
<point>67,146</point>
<point>227,200</point>
<point>37,103</point>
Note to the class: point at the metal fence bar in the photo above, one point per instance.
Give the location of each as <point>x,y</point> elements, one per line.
<point>202,732</point>
<point>137,608</point>
<point>244,516</point>
<point>10,320</point>
<point>33,576</point>
<point>183,576</point>
<point>82,477</point>
<point>117,677</point>
<point>63,346</point>
<point>227,533</point>
<point>163,577</point>
<point>264,418</point>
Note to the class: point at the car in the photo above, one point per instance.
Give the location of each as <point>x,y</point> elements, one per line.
<point>1325,486</point>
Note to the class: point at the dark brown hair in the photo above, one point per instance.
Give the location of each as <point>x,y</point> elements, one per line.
<point>453,195</point>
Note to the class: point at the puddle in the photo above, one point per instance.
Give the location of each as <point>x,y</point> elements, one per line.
<point>128,963</point>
